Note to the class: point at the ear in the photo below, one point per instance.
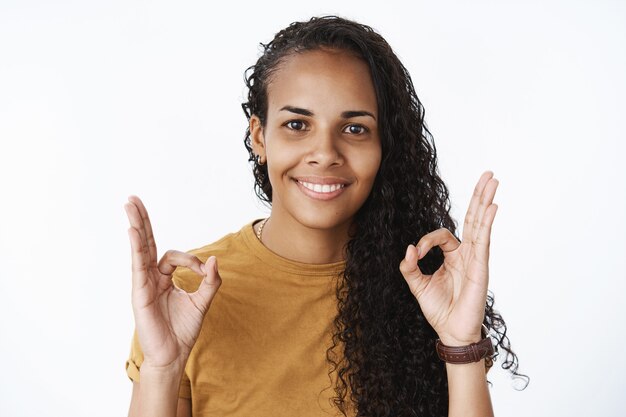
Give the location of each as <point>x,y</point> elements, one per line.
<point>257,137</point>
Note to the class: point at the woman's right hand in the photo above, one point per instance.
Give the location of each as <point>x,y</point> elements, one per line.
<point>167,319</point>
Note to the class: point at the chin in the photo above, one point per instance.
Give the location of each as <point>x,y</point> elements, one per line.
<point>317,219</point>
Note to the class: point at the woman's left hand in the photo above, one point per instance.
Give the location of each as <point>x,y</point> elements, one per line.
<point>453,298</point>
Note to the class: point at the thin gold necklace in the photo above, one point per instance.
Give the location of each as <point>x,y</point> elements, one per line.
<point>258,233</point>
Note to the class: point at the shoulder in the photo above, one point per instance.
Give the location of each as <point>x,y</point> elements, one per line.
<point>216,248</point>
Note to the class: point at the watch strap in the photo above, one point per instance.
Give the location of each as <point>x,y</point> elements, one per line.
<point>473,352</point>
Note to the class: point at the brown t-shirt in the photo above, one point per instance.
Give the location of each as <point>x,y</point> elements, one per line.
<point>262,347</point>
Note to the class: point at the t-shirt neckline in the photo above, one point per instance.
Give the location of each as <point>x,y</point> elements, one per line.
<point>287,265</point>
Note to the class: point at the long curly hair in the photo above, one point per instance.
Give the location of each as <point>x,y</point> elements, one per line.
<point>389,366</point>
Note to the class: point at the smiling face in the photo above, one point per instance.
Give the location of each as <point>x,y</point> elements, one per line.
<point>320,141</point>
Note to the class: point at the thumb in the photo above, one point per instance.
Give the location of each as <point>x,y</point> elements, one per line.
<point>210,283</point>
<point>411,271</point>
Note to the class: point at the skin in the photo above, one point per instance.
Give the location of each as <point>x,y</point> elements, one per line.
<point>324,143</point>
<point>167,319</point>
<point>453,298</point>
<point>325,83</point>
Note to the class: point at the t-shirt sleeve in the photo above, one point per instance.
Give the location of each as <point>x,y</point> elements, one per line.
<point>135,359</point>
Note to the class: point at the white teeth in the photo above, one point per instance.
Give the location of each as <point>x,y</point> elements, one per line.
<point>319,188</point>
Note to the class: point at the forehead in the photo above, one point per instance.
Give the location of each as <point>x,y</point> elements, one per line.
<point>323,80</point>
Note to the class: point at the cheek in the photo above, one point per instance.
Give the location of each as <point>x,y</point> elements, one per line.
<point>368,166</point>
<point>282,158</point>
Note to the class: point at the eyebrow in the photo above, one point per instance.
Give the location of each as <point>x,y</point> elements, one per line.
<point>346,114</point>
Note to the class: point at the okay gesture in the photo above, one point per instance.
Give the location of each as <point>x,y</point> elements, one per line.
<point>453,298</point>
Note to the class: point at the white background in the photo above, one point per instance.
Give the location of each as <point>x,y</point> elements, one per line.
<point>100,100</point>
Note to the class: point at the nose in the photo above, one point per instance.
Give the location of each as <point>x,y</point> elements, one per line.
<point>324,151</point>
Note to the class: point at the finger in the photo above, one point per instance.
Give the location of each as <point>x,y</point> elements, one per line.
<point>172,259</point>
<point>139,262</point>
<point>209,285</point>
<point>483,239</point>
<point>485,201</point>
<point>147,226</point>
<point>440,237</point>
<point>468,225</point>
<point>412,273</point>
<point>134,217</point>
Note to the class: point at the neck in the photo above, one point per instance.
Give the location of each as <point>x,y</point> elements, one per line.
<point>297,242</point>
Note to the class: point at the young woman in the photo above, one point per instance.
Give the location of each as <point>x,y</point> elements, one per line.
<point>354,296</point>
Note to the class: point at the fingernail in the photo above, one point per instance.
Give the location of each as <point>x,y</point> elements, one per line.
<point>418,252</point>
<point>215,264</point>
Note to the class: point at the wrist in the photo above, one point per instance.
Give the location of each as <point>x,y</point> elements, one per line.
<point>454,341</point>
<point>467,367</point>
<point>159,387</point>
<point>166,372</point>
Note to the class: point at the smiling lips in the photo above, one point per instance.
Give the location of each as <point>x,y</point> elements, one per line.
<point>322,188</point>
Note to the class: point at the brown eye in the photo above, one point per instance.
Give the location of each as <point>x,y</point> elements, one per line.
<point>295,124</point>
<point>356,129</point>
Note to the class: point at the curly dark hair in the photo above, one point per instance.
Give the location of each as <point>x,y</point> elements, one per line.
<point>389,366</point>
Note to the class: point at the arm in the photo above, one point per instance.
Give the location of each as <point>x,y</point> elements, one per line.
<point>467,390</point>
<point>157,395</point>
<point>453,298</point>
